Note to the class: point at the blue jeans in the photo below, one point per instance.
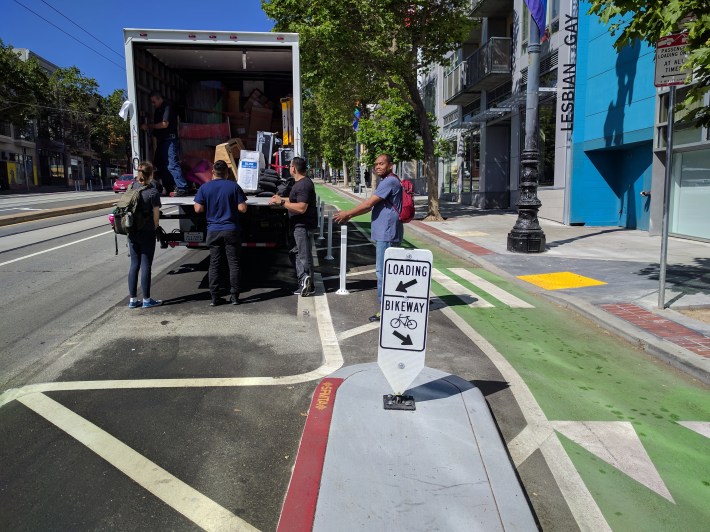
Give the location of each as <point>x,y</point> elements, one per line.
<point>142,248</point>
<point>169,159</point>
<point>380,247</point>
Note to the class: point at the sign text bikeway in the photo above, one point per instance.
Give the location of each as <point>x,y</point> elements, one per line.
<point>404,315</point>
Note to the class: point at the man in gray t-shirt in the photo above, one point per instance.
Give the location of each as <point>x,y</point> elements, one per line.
<point>385,204</point>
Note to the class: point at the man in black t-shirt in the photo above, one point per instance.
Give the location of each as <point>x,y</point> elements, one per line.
<point>164,128</point>
<point>303,218</point>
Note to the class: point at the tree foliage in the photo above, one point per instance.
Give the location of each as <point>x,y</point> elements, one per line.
<point>650,20</point>
<point>66,105</point>
<point>391,128</point>
<point>23,87</point>
<point>366,46</point>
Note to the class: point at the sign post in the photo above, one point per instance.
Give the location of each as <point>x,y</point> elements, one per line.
<point>403,321</point>
<point>671,54</point>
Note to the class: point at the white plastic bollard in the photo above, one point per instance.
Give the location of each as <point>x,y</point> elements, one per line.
<point>343,259</point>
<point>329,254</point>
<point>320,223</point>
<point>320,220</point>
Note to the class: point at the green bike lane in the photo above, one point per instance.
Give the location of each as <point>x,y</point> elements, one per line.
<point>609,402</point>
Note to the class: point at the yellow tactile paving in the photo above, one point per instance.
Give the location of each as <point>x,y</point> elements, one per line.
<point>560,280</point>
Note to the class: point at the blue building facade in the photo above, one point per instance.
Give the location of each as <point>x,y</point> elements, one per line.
<point>612,138</point>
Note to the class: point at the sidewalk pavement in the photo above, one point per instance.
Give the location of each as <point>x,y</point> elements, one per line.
<point>609,274</point>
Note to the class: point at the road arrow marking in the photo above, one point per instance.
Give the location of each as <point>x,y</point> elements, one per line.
<point>402,287</point>
<point>406,340</point>
<point>617,443</point>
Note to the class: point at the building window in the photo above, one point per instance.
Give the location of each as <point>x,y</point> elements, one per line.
<point>5,129</point>
<point>472,163</point>
<point>429,96</point>
<point>690,194</point>
<point>451,172</point>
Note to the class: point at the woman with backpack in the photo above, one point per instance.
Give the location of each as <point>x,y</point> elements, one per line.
<point>141,239</point>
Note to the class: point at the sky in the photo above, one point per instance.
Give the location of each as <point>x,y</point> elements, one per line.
<point>89,20</point>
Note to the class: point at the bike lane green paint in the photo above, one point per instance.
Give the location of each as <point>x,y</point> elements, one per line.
<point>577,371</point>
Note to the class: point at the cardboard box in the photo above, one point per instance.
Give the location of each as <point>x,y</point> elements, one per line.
<point>260,120</point>
<point>239,123</point>
<point>229,153</point>
<point>233,101</point>
<point>257,99</point>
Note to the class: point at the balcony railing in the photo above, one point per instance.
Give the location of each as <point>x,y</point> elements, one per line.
<point>454,81</point>
<point>490,65</point>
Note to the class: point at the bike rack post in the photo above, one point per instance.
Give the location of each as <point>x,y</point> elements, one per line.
<point>343,259</point>
<point>318,211</point>
<point>320,220</point>
<point>329,254</point>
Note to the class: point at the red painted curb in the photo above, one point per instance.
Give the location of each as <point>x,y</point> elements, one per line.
<point>299,507</point>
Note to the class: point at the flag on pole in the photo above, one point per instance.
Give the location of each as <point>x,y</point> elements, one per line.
<point>538,10</point>
<point>356,120</point>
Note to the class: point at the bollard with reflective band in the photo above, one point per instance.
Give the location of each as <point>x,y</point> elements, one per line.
<point>320,220</point>
<point>404,314</point>
<point>318,213</point>
<point>343,259</point>
<point>329,255</point>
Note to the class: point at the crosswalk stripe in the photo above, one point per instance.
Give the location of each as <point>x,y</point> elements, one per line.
<point>459,290</point>
<point>497,292</point>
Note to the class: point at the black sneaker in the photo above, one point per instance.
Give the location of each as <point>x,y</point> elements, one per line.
<point>216,301</point>
<point>307,288</point>
<point>234,300</point>
<point>374,318</point>
<point>297,291</point>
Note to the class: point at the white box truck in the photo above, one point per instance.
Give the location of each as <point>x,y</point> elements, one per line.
<point>224,85</point>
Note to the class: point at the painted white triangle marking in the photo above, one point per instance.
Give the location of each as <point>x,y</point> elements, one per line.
<point>617,443</point>
<point>464,294</point>
<point>701,427</point>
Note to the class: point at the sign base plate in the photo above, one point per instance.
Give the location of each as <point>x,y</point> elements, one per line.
<point>398,402</point>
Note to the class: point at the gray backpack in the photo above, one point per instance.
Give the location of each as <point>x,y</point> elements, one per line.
<point>127,216</point>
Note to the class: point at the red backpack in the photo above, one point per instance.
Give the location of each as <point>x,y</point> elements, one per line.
<point>406,215</point>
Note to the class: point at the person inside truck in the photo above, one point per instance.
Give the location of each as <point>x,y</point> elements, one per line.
<point>222,200</point>
<point>303,218</point>
<point>164,128</point>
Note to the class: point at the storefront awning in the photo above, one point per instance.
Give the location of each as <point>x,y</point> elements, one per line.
<point>507,106</point>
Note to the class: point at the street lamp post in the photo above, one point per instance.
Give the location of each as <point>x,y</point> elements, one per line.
<point>527,235</point>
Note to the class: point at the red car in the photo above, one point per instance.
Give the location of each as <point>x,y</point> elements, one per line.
<point>123,183</point>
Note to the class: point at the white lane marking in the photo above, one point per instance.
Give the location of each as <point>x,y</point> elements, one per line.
<point>350,274</point>
<point>580,502</point>
<point>617,443</point>
<point>701,427</point>
<point>198,508</point>
<point>497,292</point>
<point>54,248</point>
<point>463,293</point>
<point>21,209</point>
<point>358,330</point>
<point>332,360</point>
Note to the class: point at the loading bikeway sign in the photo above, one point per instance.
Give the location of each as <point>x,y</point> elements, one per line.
<point>404,315</point>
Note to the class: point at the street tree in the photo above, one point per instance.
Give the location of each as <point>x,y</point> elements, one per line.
<point>650,20</point>
<point>388,42</point>
<point>392,127</point>
<point>109,132</point>
<point>23,87</point>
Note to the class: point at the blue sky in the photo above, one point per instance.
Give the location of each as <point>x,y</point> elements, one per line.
<point>105,19</point>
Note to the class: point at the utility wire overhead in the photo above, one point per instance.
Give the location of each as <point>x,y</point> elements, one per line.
<point>70,35</point>
<point>82,29</point>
